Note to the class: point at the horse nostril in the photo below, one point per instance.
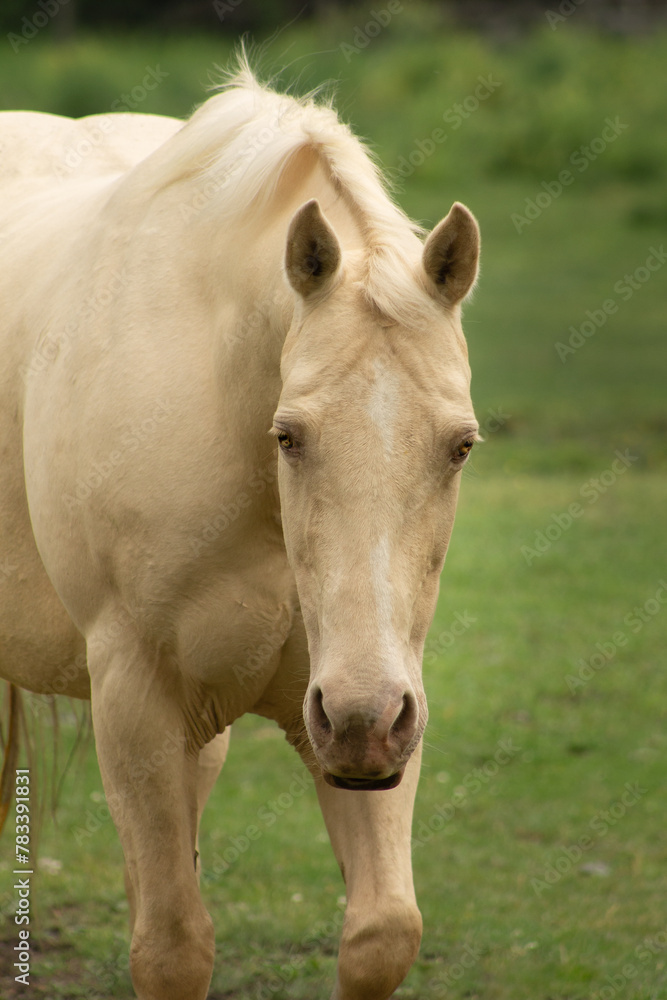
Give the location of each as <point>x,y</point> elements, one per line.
<point>317,716</point>
<point>405,722</point>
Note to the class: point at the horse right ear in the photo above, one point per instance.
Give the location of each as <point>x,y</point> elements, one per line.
<point>451,254</point>
<point>313,252</point>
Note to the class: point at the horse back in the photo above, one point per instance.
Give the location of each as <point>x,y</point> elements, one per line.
<point>58,150</point>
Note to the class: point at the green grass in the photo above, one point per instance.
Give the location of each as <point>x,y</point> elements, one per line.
<point>571,755</point>
<point>531,619</point>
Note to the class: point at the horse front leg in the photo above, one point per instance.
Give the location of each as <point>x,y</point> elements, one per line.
<point>211,760</point>
<point>149,768</point>
<point>370,833</point>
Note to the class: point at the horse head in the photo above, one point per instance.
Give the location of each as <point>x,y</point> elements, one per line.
<point>374,425</point>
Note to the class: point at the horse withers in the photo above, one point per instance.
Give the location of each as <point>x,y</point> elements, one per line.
<point>235,407</point>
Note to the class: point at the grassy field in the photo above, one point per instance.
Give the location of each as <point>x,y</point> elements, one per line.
<point>541,869</point>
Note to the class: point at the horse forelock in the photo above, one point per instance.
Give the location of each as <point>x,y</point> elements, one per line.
<point>237,145</point>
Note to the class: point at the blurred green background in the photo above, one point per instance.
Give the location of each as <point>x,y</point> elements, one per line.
<point>550,627</point>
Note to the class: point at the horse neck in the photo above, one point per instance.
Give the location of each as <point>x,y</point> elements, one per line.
<point>254,302</point>
<point>224,270</point>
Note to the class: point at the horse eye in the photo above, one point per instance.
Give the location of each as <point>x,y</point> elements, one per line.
<point>285,440</point>
<point>464,448</point>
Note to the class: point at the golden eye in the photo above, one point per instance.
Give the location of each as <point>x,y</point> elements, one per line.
<point>464,448</point>
<point>285,440</point>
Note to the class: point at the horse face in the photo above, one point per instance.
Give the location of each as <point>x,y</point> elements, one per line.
<point>374,425</point>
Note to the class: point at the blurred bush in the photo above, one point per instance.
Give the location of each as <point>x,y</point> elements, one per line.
<point>552,91</point>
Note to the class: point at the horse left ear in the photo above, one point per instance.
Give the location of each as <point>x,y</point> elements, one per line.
<point>313,252</point>
<point>451,254</point>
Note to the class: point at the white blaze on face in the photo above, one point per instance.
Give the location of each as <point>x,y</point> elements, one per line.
<point>382,408</point>
<point>381,583</point>
<point>382,404</point>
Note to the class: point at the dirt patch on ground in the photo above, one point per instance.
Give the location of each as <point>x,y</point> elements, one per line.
<point>70,976</point>
<point>71,980</point>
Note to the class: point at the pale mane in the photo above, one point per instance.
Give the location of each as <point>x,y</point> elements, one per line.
<point>235,146</point>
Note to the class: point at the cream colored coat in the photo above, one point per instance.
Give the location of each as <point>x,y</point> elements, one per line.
<point>170,295</point>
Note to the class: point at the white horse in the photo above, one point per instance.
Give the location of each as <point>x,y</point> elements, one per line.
<point>234,411</point>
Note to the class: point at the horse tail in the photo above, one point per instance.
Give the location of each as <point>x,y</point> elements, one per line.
<point>26,736</point>
<point>10,754</point>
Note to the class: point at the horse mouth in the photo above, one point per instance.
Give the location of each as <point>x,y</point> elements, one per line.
<point>364,784</point>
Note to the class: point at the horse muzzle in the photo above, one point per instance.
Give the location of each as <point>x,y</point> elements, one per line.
<point>364,745</point>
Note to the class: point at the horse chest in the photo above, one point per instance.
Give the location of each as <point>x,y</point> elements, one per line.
<point>230,638</point>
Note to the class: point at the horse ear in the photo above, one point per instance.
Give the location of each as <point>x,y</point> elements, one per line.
<point>451,254</point>
<point>313,252</point>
